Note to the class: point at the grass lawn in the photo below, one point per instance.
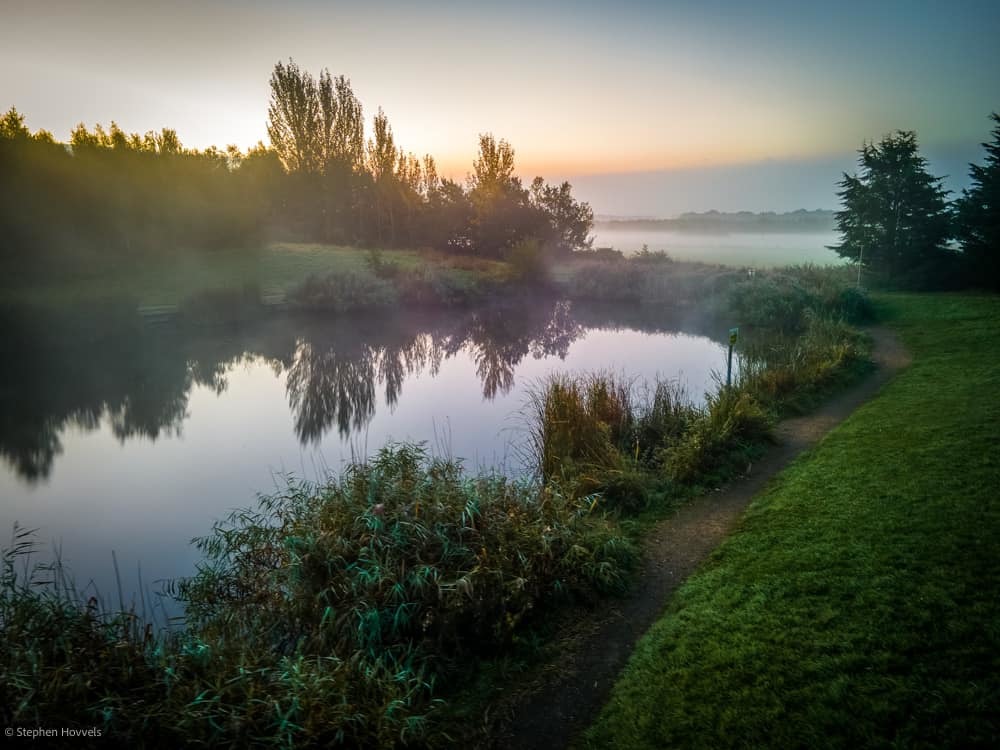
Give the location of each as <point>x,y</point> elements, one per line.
<point>858,603</point>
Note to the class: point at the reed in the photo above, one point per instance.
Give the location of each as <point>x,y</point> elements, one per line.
<point>333,614</point>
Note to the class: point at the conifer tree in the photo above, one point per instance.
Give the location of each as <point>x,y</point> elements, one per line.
<point>979,216</point>
<point>895,217</point>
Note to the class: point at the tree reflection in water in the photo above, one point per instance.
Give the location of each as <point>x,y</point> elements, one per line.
<point>68,368</point>
<point>334,380</point>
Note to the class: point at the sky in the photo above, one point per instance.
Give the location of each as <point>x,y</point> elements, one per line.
<point>649,108</point>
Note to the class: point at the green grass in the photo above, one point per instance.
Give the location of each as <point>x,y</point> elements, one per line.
<point>857,603</point>
<point>274,269</point>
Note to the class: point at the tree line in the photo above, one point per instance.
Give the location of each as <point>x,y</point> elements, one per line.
<point>897,221</point>
<point>118,197</point>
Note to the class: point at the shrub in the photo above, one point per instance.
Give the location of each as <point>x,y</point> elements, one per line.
<point>341,291</point>
<point>787,371</point>
<point>645,256</point>
<point>731,419</point>
<point>429,286</point>
<point>329,615</point>
<point>380,267</point>
<point>772,300</point>
<point>606,282</point>
<point>527,261</point>
<point>599,253</point>
<point>664,417</point>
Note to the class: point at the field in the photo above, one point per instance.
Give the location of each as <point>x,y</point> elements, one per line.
<point>856,604</point>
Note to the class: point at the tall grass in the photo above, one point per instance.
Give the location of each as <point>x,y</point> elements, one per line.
<point>592,433</point>
<point>329,615</point>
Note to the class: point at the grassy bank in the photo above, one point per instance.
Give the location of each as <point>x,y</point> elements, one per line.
<point>275,270</point>
<point>857,603</point>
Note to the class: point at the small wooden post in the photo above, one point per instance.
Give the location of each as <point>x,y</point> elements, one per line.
<point>734,334</point>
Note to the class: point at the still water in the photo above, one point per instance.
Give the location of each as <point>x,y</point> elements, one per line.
<point>122,435</point>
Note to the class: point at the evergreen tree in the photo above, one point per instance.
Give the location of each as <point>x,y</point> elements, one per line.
<point>895,217</point>
<point>979,216</point>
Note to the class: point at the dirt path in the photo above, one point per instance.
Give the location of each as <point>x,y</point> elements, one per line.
<point>572,691</point>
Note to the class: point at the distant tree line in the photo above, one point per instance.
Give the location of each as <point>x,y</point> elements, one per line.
<point>897,221</point>
<point>769,222</point>
<point>115,197</point>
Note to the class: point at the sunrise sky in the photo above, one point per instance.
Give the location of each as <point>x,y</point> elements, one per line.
<point>625,98</point>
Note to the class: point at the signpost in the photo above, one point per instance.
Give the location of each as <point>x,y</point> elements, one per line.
<point>734,334</point>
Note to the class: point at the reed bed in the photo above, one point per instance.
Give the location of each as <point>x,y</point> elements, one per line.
<point>330,614</point>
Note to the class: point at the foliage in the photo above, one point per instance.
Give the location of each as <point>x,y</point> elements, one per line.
<point>441,286</point>
<point>856,604</point>
<point>655,257</point>
<point>578,426</point>
<point>343,291</point>
<point>110,197</point>
<point>979,217</point>
<point>777,298</point>
<point>732,419</point>
<point>568,221</point>
<point>527,261</point>
<point>895,217</point>
<point>331,614</point>
<point>594,434</point>
<point>772,300</point>
<point>114,199</point>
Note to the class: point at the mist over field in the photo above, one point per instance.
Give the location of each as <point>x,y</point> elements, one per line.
<point>756,249</point>
<point>771,185</point>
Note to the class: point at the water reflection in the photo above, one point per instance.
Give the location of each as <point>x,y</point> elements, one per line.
<point>71,369</point>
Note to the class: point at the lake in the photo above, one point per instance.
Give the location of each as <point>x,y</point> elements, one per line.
<point>756,249</point>
<point>118,434</point>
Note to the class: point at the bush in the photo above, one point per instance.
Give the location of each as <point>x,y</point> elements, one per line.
<point>606,282</point>
<point>732,419</point>
<point>651,257</point>
<point>771,300</point>
<point>382,268</point>
<point>429,286</point>
<point>330,615</point>
<point>527,261</point>
<point>786,371</point>
<point>599,253</point>
<point>342,291</point>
